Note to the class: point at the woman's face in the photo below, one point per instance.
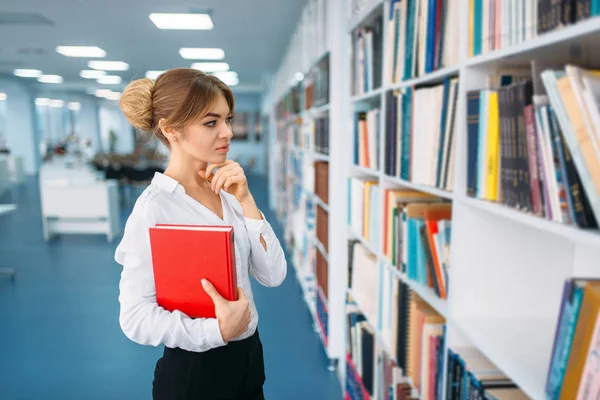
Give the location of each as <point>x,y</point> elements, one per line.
<point>208,139</point>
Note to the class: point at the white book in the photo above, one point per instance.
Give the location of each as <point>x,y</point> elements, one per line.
<point>592,97</point>
<point>575,75</point>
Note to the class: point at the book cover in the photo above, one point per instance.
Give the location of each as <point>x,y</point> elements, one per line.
<point>183,255</point>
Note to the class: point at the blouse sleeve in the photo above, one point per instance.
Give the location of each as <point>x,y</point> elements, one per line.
<point>269,266</point>
<point>141,318</point>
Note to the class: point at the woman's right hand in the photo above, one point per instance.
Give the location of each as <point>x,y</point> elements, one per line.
<point>234,316</point>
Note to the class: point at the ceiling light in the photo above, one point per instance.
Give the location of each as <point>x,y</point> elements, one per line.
<point>182,21</point>
<point>81,51</point>
<point>42,101</point>
<point>74,106</point>
<point>109,80</point>
<point>114,96</point>
<point>56,103</point>
<point>3,96</point>
<point>299,76</point>
<point>109,65</point>
<point>50,79</point>
<point>229,78</point>
<point>201,54</point>
<point>91,74</point>
<point>102,92</point>
<point>28,73</point>
<point>154,74</point>
<point>211,66</point>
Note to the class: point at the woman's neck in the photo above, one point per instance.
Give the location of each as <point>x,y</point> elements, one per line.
<point>187,173</point>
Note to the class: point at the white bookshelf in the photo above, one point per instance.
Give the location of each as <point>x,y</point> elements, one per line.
<point>507,267</point>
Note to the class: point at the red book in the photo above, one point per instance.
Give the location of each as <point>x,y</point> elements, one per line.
<point>182,255</point>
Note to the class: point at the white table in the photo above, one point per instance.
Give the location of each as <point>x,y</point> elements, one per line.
<point>5,209</point>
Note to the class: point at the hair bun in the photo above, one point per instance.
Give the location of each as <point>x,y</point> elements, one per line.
<point>136,103</point>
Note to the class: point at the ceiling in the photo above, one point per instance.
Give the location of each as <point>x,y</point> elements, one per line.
<point>253,34</point>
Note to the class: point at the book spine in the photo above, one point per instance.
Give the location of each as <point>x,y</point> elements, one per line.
<point>473,99</point>
<point>536,196</point>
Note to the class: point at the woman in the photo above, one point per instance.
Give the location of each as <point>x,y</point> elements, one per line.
<point>213,358</point>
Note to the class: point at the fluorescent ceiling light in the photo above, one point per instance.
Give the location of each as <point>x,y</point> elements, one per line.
<point>74,106</point>
<point>114,96</point>
<point>154,74</point>
<point>91,74</point>
<point>50,79</point>
<point>229,78</point>
<point>109,80</point>
<point>211,66</point>
<point>190,53</point>
<point>81,51</point>
<point>109,65</point>
<point>3,96</point>
<point>28,73</point>
<point>182,21</point>
<point>56,103</point>
<point>299,76</point>
<point>42,101</point>
<point>103,92</point>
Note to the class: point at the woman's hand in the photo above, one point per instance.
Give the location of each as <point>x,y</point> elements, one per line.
<point>229,176</point>
<point>234,316</point>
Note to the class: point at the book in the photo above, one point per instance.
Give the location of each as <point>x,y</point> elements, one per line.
<point>183,255</point>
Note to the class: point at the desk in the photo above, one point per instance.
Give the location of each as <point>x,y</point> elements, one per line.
<point>5,209</point>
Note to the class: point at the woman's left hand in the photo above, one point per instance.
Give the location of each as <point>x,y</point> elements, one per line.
<point>230,177</point>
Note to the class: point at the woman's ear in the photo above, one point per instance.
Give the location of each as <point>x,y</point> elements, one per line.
<point>169,132</point>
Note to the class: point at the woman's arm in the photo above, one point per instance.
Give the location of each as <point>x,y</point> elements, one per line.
<point>268,260</point>
<point>141,318</point>
<point>268,266</point>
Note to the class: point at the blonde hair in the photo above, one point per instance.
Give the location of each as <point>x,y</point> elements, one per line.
<point>181,96</point>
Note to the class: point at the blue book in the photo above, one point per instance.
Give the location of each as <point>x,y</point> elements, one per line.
<point>477,26</point>
<point>430,38</point>
<point>445,105</point>
<point>406,137</point>
<point>472,140</point>
<point>565,330</point>
<point>409,49</point>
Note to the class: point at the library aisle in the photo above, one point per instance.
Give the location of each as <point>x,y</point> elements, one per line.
<point>59,332</point>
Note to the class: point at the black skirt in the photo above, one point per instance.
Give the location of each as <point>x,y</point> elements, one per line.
<point>232,372</point>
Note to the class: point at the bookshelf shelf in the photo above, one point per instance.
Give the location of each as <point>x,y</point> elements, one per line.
<point>543,45</point>
<point>364,15</point>
<point>424,292</point>
<point>366,244</point>
<point>520,347</point>
<point>366,171</point>
<point>321,248</point>
<point>422,188</point>
<point>316,111</point>
<point>372,96</point>
<point>571,233</point>
<point>319,156</point>
<point>432,77</point>
<point>321,203</point>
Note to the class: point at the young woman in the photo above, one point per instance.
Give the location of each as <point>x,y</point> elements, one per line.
<point>213,358</point>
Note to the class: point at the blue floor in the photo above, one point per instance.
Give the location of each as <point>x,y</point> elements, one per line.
<point>59,331</point>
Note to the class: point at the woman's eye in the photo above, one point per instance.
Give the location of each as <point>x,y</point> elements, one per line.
<point>229,120</point>
<point>211,124</point>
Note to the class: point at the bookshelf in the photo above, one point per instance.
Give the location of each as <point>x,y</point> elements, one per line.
<point>506,267</point>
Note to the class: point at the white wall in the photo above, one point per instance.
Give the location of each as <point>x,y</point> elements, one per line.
<point>88,125</point>
<point>111,118</point>
<point>19,124</point>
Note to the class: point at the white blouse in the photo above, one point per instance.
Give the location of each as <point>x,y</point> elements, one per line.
<point>166,202</point>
